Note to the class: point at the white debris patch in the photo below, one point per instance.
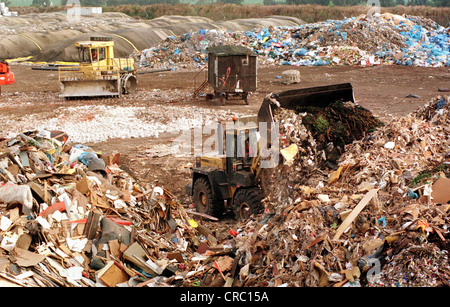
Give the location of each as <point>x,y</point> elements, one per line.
<point>91,124</point>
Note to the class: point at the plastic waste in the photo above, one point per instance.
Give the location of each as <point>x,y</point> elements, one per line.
<point>17,193</point>
<point>350,41</point>
<point>412,194</point>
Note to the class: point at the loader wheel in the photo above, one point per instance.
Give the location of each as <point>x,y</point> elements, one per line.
<point>247,202</point>
<point>203,198</point>
<point>245,98</point>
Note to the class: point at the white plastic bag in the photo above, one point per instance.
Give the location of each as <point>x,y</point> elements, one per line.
<point>20,193</point>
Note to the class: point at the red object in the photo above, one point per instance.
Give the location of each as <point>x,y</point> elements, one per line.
<point>78,221</point>
<point>233,233</point>
<point>113,219</point>
<point>119,221</point>
<point>6,75</point>
<point>53,208</point>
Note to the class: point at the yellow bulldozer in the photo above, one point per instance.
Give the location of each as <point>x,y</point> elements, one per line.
<point>232,176</point>
<point>99,73</point>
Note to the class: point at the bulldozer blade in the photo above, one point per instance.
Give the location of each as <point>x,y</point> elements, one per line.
<point>90,88</point>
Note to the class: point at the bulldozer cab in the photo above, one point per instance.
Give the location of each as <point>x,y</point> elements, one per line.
<point>97,55</point>
<point>99,73</point>
<point>90,55</point>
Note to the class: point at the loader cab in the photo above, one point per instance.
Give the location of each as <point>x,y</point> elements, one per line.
<point>241,146</point>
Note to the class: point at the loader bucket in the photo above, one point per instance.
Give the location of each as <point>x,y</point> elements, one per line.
<point>320,96</point>
<point>90,88</point>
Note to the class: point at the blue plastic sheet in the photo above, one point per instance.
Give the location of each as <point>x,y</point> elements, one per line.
<point>86,157</point>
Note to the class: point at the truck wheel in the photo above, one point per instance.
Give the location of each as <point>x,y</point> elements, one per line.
<point>203,198</point>
<point>247,202</point>
<point>129,84</point>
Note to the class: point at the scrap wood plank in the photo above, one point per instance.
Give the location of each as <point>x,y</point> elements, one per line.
<point>318,240</point>
<point>202,215</point>
<point>148,281</point>
<point>355,212</point>
<point>439,233</point>
<point>10,278</point>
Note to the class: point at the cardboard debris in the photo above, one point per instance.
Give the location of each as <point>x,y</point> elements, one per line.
<point>111,275</point>
<point>441,191</point>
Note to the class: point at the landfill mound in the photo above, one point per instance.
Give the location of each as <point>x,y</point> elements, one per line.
<point>71,217</point>
<point>50,37</point>
<point>362,41</point>
<point>380,219</point>
<point>27,35</point>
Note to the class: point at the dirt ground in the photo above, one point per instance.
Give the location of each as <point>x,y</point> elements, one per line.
<point>381,89</point>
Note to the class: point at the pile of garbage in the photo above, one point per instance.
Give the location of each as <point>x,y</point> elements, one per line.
<point>185,51</point>
<point>380,219</point>
<point>321,133</point>
<point>362,41</point>
<point>70,217</point>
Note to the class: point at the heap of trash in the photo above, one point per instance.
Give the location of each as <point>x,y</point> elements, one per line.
<point>321,133</point>
<point>362,41</point>
<point>70,217</point>
<point>377,216</point>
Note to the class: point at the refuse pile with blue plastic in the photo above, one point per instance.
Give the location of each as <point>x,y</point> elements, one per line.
<point>361,41</point>
<point>378,219</point>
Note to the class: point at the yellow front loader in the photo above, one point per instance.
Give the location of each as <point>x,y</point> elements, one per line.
<point>99,74</point>
<point>233,175</point>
